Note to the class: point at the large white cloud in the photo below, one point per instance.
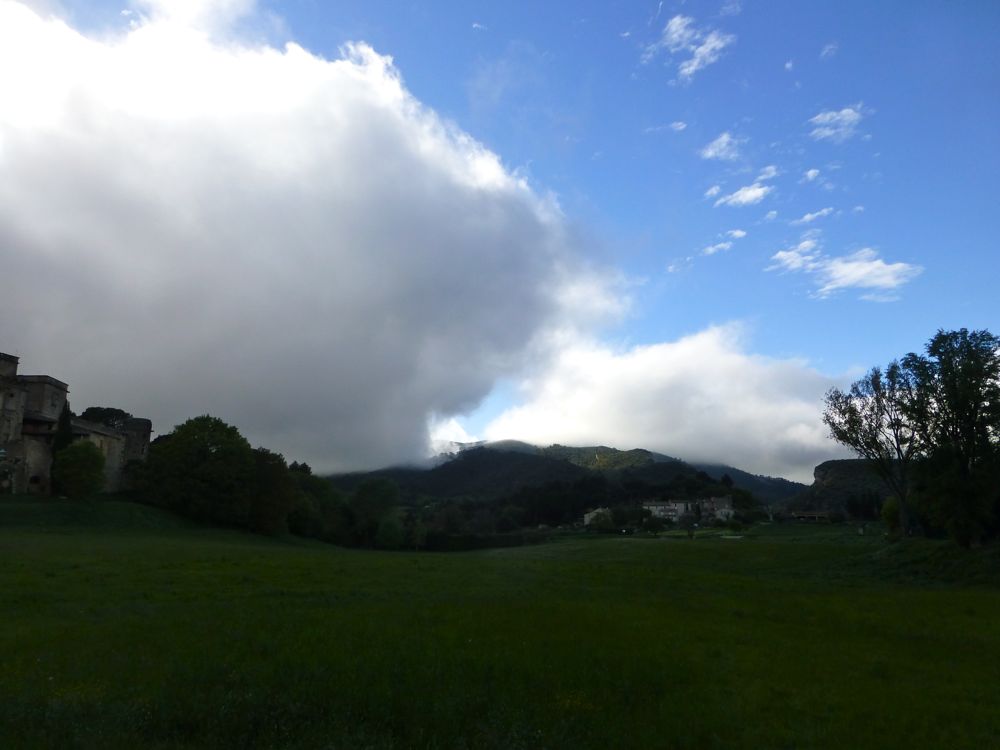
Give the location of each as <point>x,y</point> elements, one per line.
<point>701,398</point>
<point>294,244</point>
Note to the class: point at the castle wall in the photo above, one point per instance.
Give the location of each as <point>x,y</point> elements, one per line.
<point>112,445</point>
<point>45,396</point>
<point>137,434</point>
<point>36,467</point>
<point>30,406</point>
<point>12,403</point>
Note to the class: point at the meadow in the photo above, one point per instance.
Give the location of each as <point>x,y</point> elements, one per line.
<point>124,627</point>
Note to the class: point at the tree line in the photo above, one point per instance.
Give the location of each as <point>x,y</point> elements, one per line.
<point>929,425</point>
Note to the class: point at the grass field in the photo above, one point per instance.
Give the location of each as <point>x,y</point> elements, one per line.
<point>123,627</point>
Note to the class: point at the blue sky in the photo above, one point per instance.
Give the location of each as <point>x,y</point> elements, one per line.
<point>816,181</point>
<point>561,91</point>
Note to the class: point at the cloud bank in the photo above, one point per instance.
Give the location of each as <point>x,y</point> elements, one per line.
<point>699,398</point>
<point>291,243</point>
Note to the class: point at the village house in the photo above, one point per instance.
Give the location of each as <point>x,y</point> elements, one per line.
<point>30,406</point>
<point>591,515</point>
<point>709,508</point>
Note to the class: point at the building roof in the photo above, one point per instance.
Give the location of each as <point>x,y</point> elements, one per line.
<point>37,416</point>
<point>42,379</point>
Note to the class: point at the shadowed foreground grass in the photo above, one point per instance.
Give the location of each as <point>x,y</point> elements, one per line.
<point>123,627</point>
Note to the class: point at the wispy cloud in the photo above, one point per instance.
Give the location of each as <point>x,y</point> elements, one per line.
<point>768,173</point>
<point>810,174</point>
<point>862,269</point>
<point>736,234</point>
<point>677,126</point>
<point>731,8</point>
<point>476,26</point>
<point>809,218</point>
<point>804,256</point>
<point>718,247</point>
<point>747,195</point>
<point>770,216</point>
<point>828,51</point>
<point>713,191</point>
<point>790,65</point>
<point>680,36</point>
<point>724,148</point>
<point>837,125</point>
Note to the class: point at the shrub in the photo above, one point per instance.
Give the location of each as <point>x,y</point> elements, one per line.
<point>78,469</point>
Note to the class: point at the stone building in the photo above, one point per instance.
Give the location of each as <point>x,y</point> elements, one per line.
<point>708,507</point>
<point>30,406</point>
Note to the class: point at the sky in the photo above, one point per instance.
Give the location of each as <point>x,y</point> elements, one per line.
<point>358,230</point>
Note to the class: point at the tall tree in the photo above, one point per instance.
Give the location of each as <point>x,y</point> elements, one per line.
<point>875,420</point>
<point>956,408</point>
<point>933,418</point>
<point>64,430</point>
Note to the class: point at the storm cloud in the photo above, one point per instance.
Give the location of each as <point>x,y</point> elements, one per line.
<point>191,225</point>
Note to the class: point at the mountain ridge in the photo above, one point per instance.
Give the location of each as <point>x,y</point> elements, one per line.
<point>485,471</point>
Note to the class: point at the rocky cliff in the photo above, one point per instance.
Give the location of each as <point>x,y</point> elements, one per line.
<point>836,483</point>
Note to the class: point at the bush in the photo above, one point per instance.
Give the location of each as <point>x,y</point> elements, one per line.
<point>78,469</point>
<point>890,514</point>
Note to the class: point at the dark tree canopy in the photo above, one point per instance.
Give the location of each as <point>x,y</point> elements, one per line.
<point>956,410</point>
<point>64,430</point>
<point>205,470</point>
<point>108,416</point>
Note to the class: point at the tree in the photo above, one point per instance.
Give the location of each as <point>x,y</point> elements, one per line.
<point>108,416</point>
<point>933,418</point>
<point>273,493</point>
<point>372,500</point>
<point>79,469</point>
<point>688,522</point>
<point>875,419</point>
<point>956,410</point>
<point>64,430</point>
<point>204,470</point>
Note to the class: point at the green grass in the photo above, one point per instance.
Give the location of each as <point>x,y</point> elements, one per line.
<point>123,627</point>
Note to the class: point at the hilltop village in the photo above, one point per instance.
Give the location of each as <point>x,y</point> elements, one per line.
<point>30,408</point>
